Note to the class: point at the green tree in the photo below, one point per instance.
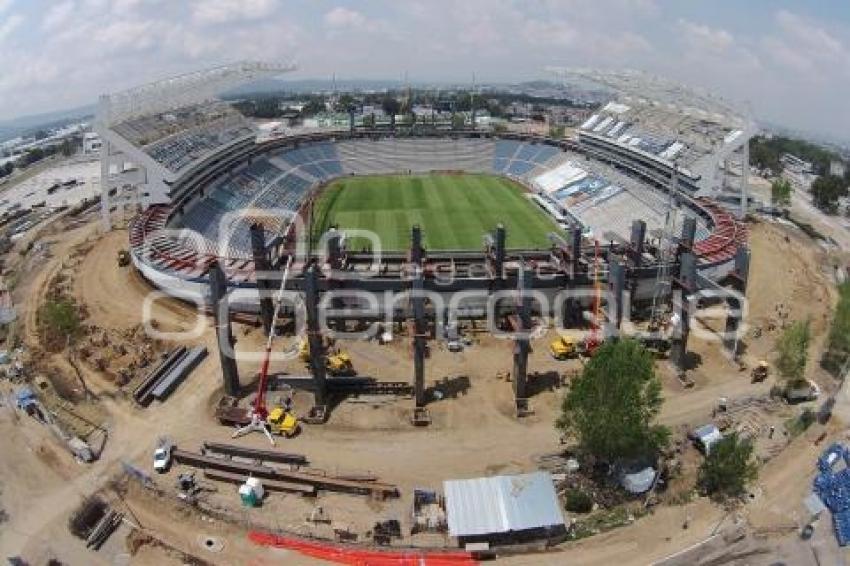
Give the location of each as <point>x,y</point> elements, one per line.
<point>826,191</point>
<point>728,468</point>
<point>556,132</point>
<point>793,347</point>
<point>780,192</point>
<point>610,408</point>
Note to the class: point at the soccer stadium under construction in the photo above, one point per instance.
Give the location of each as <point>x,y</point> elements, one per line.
<point>423,369</point>
<point>227,220</point>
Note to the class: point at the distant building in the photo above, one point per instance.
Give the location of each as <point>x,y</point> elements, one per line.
<point>837,168</point>
<point>795,164</point>
<point>91,143</point>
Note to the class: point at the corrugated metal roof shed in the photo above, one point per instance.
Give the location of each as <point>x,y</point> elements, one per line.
<point>500,504</point>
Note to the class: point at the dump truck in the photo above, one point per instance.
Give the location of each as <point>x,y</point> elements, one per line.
<point>563,348</point>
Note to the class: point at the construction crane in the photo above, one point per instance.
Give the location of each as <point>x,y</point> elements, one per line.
<point>259,411</point>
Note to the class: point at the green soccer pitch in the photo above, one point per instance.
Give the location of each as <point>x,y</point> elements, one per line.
<point>453,210</point>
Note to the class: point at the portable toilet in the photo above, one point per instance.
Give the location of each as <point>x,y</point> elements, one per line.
<point>257,486</point>
<point>247,495</point>
<point>251,492</point>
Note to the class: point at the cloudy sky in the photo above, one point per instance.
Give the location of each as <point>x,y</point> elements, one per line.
<point>789,59</point>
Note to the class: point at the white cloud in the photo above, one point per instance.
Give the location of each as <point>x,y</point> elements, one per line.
<point>807,47</point>
<point>12,23</point>
<point>57,15</point>
<point>341,17</point>
<point>5,5</point>
<point>127,34</point>
<point>227,11</point>
<point>701,36</point>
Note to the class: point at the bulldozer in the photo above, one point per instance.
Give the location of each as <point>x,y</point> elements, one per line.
<point>563,348</point>
<point>760,372</point>
<point>123,258</point>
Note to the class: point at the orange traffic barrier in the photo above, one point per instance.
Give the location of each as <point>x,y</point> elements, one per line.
<point>362,556</point>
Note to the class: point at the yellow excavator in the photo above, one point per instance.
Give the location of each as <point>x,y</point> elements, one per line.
<point>563,348</point>
<point>338,362</point>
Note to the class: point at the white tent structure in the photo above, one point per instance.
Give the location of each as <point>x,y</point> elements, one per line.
<point>487,508</point>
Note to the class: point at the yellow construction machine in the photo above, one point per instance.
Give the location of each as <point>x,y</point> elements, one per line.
<point>338,362</point>
<point>283,423</point>
<point>563,348</point>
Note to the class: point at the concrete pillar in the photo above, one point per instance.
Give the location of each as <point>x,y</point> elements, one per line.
<point>314,336</point>
<point>745,178</point>
<point>416,251</point>
<point>679,344</point>
<point>575,250</point>
<point>261,273</point>
<point>616,294</point>
<point>499,251</point>
<point>636,242</point>
<point>742,267</point>
<point>738,279</point>
<point>223,330</point>
<point>683,286</point>
<point>689,232</point>
<point>522,345</point>
<point>419,339</point>
<point>334,251</point>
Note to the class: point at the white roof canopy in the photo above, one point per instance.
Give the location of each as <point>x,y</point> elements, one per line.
<point>501,504</point>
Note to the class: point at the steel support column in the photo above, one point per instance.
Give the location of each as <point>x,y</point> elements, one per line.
<point>683,286</point>
<point>419,339</point>
<point>522,344</point>
<point>616,296</point>
<point>318,365</point>
<point>636,242</point>
<point>223,330</point>
<point>738,280</point>
<point>262,270</point>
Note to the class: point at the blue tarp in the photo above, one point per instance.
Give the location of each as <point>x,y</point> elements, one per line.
<point>24,397</point>
<point>833,487</point>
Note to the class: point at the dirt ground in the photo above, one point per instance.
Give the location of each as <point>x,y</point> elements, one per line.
<point>473,433</point>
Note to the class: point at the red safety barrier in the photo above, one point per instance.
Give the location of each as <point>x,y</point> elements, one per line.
<point>361,556</point>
